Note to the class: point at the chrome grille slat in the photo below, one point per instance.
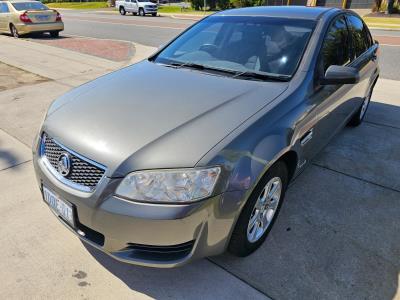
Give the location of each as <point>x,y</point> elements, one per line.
<point>83,172</point>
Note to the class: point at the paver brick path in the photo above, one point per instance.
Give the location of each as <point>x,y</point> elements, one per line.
<point>108,49</point>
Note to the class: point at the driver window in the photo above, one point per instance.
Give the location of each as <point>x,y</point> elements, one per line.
<point>335,49</point>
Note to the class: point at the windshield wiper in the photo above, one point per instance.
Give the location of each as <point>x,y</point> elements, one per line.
<point>201,67</point>
<point>235,74</point>
<point>262,76</point>
<point>188,65</point>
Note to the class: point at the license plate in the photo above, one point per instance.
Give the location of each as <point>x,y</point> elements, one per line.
<point>42,18</point>
<point>58,206</point>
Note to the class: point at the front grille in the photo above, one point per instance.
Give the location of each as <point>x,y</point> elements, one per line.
<point>83,172</point>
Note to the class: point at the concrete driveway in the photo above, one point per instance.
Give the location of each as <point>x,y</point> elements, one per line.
<point>337,236</point>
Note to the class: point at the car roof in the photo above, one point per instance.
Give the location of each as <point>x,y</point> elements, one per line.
<point>295,12</point>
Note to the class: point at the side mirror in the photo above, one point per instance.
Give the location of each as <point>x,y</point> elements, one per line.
<point>341,75</point>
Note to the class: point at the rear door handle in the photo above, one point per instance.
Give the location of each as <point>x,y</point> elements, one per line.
<point>307,137</point>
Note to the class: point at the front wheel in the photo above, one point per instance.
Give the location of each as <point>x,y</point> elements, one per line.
<point>141,12</point>
<point>122,11</point>
<point>359,115</point>
<point>14,31</point>
<point>260,211</point>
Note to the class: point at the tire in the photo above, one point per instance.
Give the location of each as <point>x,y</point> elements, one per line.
<point>14,31</point>
<point>141,12</point>
<point>244,241</point>
<point>154,14</point>
<point>122,11</point>
<point>54,34</point>
<point>359,115</point>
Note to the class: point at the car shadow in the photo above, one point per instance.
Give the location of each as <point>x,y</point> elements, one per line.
<point>337,236</point>
<point>45,37</point>
<point>193,281</point>
<point>39,36</point>
<point>7,158</point>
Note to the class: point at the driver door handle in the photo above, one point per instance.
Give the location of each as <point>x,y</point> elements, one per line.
<point>307,137</point>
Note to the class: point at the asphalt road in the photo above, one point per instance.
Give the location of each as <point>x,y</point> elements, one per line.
<point>155,31</point>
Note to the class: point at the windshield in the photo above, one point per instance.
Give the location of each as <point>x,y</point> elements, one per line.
<point>29,6</point>
<point>242,44</point>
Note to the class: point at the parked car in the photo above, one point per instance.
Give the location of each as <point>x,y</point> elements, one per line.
<point>137,7</point>
<point>23,17</point>
<point>160,175</point>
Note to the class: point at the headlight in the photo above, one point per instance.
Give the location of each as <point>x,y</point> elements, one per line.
<point>181,185</point>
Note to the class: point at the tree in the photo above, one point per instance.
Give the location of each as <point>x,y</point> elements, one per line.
<point>198,4</point>
<point>223,4</point>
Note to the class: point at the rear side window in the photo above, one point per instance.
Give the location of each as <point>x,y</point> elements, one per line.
<point>360,37</point>
<point>335,49</point>
<point>4,8</point>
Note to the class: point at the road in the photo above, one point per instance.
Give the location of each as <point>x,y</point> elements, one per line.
<point>154,32</point>
<point>149,31</point>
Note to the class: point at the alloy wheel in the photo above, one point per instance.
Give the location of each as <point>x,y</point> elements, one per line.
<point>14,31</point>
<point>264,210</point>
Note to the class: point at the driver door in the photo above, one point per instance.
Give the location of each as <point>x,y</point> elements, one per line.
<point>328,101</point>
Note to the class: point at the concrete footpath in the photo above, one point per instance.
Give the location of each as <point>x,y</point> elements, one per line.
<point>337,236</point>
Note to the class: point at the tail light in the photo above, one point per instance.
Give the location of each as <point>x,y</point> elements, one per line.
<point>24,18</point>
<point>58,17</point>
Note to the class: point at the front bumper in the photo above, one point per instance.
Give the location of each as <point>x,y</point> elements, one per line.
<point>150,10</point>
<point>25,28</point>
<point>155,235</point>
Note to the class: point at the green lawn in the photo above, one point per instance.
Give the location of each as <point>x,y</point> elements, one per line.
<point>383,22</point>
<point>78,5</point>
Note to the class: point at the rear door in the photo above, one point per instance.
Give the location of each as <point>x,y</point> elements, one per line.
<point>128,5</point>
<point>4,16</point>
<point>363,57</point>
<point>135,6</point>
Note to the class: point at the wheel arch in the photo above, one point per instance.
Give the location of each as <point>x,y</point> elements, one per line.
<point>290,158</point>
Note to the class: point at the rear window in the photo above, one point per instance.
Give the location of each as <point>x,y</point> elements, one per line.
<point>29,6</point>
